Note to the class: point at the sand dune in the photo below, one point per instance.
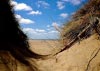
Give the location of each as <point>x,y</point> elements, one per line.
<point>74,59</point>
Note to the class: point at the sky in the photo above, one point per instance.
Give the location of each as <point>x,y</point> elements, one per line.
<point>41,19</point>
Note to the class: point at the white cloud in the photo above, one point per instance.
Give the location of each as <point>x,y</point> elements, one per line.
<point>21,6</point>
<point>18,16</point>
<point>29,30</point>
<point>53,32</point>
<point>60,5</point>
<point>41,33</point>
<point>74,2</point>
<point>55,24</point>
<point>35,13</point>
<point>23,20</point>
<point>26,21</point>
<point>43,4</point>
<point>64,15</point>
<point>13,3</point>
<point>48,26</point>
<point>36,31</point>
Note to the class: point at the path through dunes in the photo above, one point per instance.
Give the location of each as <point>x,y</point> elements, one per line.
<point>75,58</point>
<point>45,47</point>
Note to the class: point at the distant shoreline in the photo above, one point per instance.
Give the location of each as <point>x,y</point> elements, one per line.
<point>44,39</point>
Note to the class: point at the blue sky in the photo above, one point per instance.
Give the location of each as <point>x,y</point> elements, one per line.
<point>38,18</point>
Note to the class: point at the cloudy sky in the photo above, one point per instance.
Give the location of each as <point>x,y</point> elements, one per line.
<point>37,18</point>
